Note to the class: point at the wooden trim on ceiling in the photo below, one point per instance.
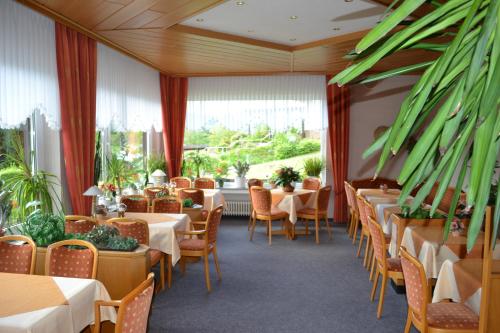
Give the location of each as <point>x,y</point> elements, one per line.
<point>33,4</point>
<point>230,38</point>
<point>337,39</point>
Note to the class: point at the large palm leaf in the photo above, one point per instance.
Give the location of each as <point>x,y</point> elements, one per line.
<point>454,104</point>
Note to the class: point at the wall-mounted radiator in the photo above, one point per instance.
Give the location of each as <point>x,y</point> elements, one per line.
<point>237,208</point>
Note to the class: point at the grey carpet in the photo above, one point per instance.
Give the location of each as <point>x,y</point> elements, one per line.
<point>291,286</point>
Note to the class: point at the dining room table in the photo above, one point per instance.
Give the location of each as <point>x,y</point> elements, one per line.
<point>47,304</point>
<point>461,281</point>
<point>212,198</point>
<point>292,202</point>
<point>427,244</point>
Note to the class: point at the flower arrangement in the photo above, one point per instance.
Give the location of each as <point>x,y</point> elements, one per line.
<point>285,176</point>
<point>109,189</point>
<point>220,172</point>
<point>457,227</point>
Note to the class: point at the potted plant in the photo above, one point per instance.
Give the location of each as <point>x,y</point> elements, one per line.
<point>43,228</point>
<point>220,172</point>
<point>241,169</point>
<point>313,167</point>
<point>286,177</point>
<point>5,208</point>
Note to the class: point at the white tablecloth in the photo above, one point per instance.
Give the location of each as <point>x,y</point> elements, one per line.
<point>81,295</point>
<point>213,198</point>
<point>291,202</point>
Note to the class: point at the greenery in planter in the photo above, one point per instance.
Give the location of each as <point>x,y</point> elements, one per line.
<point>98,158</point>
<point>187,203</point>
<point>44,228</point>
<point>105,237</point>
<point>25,184</point>
<point>313,167</point>
<point>419,213</point>
<point>241,168</point>
<point>120,172</point>
<point>5,206</point>
<point>453,108</point>
<point>286,176</point>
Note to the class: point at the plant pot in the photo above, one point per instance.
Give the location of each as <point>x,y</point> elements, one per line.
<point>221,183</point>
<point>240,182</point>
<point>288,188</point>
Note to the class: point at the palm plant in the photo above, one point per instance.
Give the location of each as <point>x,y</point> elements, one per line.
<point>454,105</point>
<point>119,171</point>
<point>26,185</point>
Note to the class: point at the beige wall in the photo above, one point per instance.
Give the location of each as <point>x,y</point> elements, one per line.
<point>374,105</point>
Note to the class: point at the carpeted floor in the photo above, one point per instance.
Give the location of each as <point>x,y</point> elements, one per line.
<point>291,286</point>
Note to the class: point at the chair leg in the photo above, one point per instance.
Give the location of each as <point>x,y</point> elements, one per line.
<point>162,272</point>
<point>207,272</point>
<point>250,220</point>
<point>306,221</point>
<point>328,228</point>
<point>252,230</point>
<point>316,223</point>
<point>382,295</point>
<point>182,265</point>
<point>169,271</point>
<point>372,268</point>
<point>370,254</point>
<point>367,249</point>
<point>375,284</point>
<point>355,235</point>
<point>360,243</point>
<point>216,260</point>
<point>270,228</point>
<point>408,322</point>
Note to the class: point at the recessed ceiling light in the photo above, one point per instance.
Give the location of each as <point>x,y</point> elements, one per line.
<point>348,0</point>
<point>199,20</point>
<point>292,39</point>
<point>294,17</point>
<point>336,29</point>
<point>251,31</point>
<point>240,3</point>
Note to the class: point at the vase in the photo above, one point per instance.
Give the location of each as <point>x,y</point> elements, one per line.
<point>221,183</point>
<point>240,182</point>
<point>288,188</point>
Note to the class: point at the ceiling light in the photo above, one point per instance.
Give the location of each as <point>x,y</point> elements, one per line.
<point>348,0</point>
<point>199,20</point>
<point>240,3</point>
<point>294,17</point>
<point>336,29</point>
<point>251,30</point>
<point>292,39</point>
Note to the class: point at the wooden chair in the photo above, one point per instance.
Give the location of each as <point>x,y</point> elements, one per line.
<point>318,213</point>
<point>352,211</point>
<point>204,183</point>
<point>133,309</point>
<point>181,182</point>
<point>136,203</point>
<point>356,219</point>
<point>195,194</point>
<point>432,317</point>
<point>166,205</point>
<point>78,224</point>
<point>17,254</point>
<point>311,183</point>
<point>151,192</point>
<point>365,231</point>
<point>252,182</point>
<point>264,210</point>
<point>63,259</point>
<point>195,247</point>
<point>139,229</point>
<point>388,267</point>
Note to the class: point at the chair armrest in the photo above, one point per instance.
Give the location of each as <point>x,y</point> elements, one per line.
<point>108,303</point>
<point>97,309</point>
<point>203,223</point>
<point>204,214</point>
<point>193,233</point>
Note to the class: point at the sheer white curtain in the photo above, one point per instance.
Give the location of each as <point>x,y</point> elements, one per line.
<point>239,103</point>
<point>28,70</point>
<point>128,93</point>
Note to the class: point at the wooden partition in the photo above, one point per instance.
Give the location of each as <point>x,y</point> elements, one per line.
<point>120,272</point>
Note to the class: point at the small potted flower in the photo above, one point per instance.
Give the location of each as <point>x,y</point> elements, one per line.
<point>220,172</point>
<point>241,169</point>
<point>286,177</point>
<point>457,227</point>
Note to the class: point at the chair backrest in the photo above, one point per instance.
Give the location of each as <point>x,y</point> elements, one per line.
<point>348,194</point>
<point>78,224</point>
<point>166,205</point>
<point>181,182</point>
<point>311,183</point>
<point>378,239</point>
<point>135,228</point>
<point>415,284</point>
<point>195,194</point>
<point>353,196</point>
<point>323,198</point>
<point>361,210</point>
<point>17,254</point>
<point>254,182</point>
<point>261,200</point>
<point>136,203</point>
<point>213,222</point>
<point>63,259</point>
<point>204,183</point>
<point>133,312</point>
<point>151,192</point>
<point>369,209</point>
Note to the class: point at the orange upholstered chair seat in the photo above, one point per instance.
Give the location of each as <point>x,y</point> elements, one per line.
<point>310,211</point>
<point>66,262</point>
<point>193,244</point>
<point>155,256</point>
<point>451,316</point>
<point>15,258</point>
<point>275,212</point>
<point>394,264</point>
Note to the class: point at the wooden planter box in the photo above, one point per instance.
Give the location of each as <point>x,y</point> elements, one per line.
<point>120,272</point>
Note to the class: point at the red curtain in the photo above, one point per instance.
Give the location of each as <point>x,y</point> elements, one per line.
<point>77,70</point>
<point>338,99</point>
<point>173,103</point>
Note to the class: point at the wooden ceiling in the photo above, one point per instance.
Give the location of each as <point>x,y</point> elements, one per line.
<point>149,31</point>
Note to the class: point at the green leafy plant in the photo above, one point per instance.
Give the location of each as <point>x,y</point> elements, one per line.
<point>26,185</point>
<point>5,206</point>
<point>120,171</point>
<point>197,162</point>
<point>241,168</point>
<point>98,158</point>
<point>453,107</point>
<point>313,167</point>
<point>419,213</point>
<point>187,203</point>
<point>286,176</point>
<point>44,228</point>
<point>105,237</point>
